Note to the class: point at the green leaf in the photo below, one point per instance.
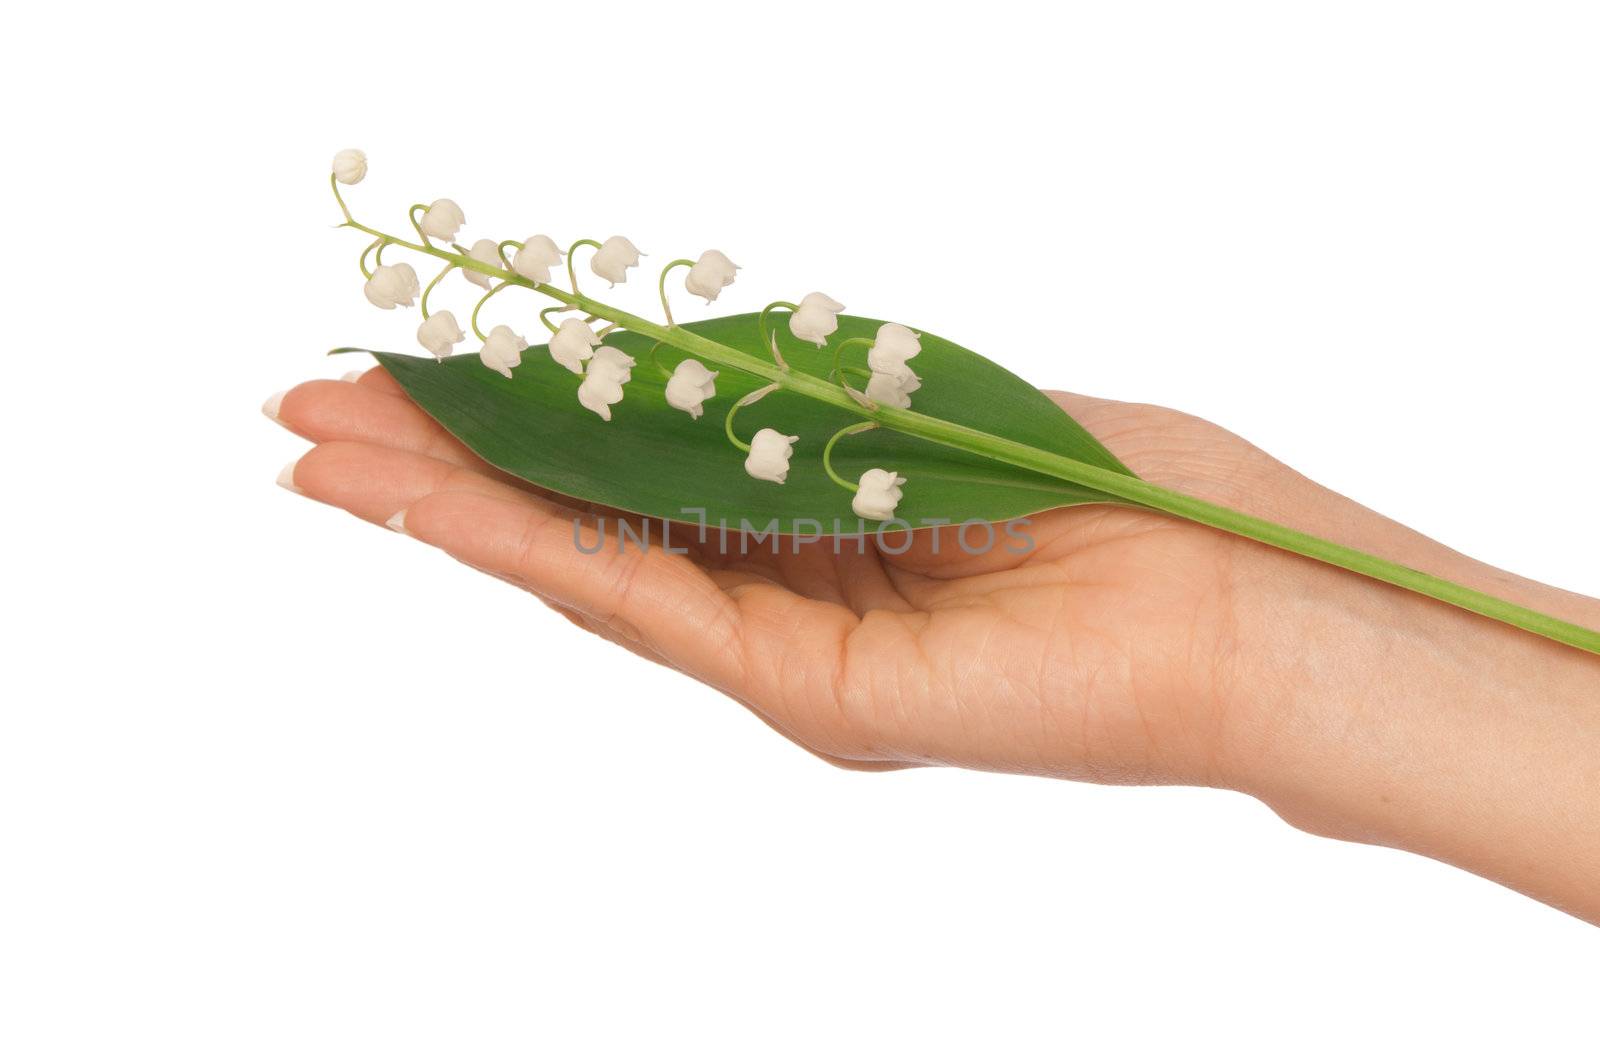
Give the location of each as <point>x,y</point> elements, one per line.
<point>655,460</point>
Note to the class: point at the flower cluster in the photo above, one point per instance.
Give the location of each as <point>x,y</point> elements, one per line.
<point>604,370</point>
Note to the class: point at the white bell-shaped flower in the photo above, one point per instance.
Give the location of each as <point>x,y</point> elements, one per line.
<point>816,319</point>
<point>442,220</point>
<point>502,351</point>
<point>535,258</point>
<point>439,333</point>
<point>487,252</point>
<point>613,361</point>
<point>614,258</point>
<point>877,494</point>
<point>350,166</point>
<point>690,386</point>
<point>710,274</point>
<point>893,389</point>
<point>609,369</point>
<point>573,343</point>
<point>392,286</point>
<point>770,451</point>
<point>892,348</point>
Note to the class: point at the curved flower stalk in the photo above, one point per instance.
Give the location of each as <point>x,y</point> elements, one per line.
<point>885,403</point>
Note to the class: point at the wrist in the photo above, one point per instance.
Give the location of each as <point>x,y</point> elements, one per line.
<point>1370,714</point>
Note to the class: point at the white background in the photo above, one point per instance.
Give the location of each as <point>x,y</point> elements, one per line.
<point>275,784</point>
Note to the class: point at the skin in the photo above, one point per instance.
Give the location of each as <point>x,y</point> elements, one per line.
<point>1126,647</point>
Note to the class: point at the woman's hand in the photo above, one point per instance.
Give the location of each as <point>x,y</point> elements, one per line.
<point>1124,647</point>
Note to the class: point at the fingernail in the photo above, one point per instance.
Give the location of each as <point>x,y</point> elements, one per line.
<point>352,376</point>
<point>398,522</point>
<point>270,407</point>
<point>286,478</point>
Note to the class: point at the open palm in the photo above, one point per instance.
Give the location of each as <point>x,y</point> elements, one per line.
<point>1102,653</point>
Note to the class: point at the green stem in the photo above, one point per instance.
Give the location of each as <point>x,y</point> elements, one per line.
<point>415,224</point>
<point>761,321</point>
<point>666,308</point>
<point>827,452</point>
<point>544,315</point>
<point>572,267</point>
<point>475,310</point>
<point>425,292</point>
<point>838,352</point>
<point>362,261</point>
<point>666,374</point>
<point>333,179</point>
<point>727,426</point>
<point>1120,486</point>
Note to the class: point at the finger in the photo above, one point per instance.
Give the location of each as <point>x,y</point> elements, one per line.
<point>380,379</point>
<point>660,599</point>
<point>327,410</point>
<point>375,482</point>
<point>669,611</point>
<point>375,410</point>
<point>758,642</point>
<point>594,627</point>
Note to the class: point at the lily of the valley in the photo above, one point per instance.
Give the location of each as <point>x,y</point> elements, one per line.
<point>609,369</point>
<point>892,380</point>
<point>612,261</point>
<point>350,166</point>
<point>392,286</point>
<point>483,251</point>
<point>439,333</point>
<point>573,343</point>
<point>690,386</point>
<point>442,220</point>
<point>711,273</point>
<point>816,319</point>
<point>535,258</point>
<point>893,389</point>
<point>893,346</point>
<point>770,451</point>
<point>502,351</point>
<point>877,494</point>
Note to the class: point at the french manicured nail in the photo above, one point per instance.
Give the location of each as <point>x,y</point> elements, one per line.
<point>398,522</point>
<point>354,374</point>
<point>286,478</point>
<point>270,407</point>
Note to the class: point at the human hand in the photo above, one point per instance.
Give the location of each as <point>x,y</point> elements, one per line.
<point>1124,647</point>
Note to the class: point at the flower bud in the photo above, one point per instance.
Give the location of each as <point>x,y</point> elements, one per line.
<point>573,343</point>
<point>392,286</point>
<point>442,220</point>
<point>893,389</point>
<point>894,345</point>
<point>502,351</point>
<point>611,262</point>
<point>350,166</point>
<point>439,333</point>
<point>816,320</point>
<point>713,272</point>
<point>770,451</point>
<point>877,494</point>
<point>609,369</point>
<point>487,252</point>
<point>690,386</point>
<point>535,258</point>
